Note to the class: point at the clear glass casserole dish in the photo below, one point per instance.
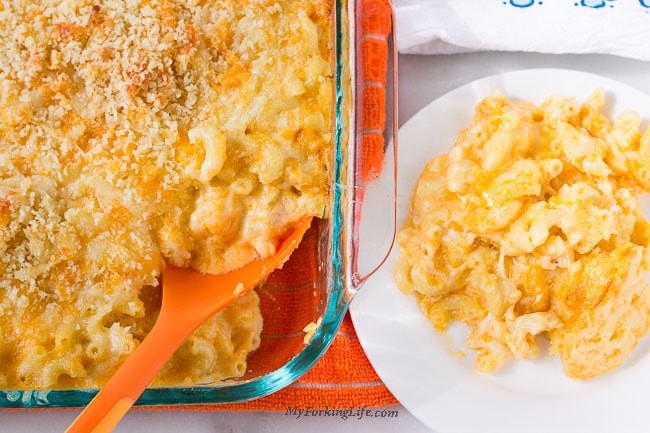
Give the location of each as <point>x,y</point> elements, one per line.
<point>344,247</point>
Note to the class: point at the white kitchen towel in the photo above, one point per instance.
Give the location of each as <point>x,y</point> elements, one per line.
<point>619,27</point>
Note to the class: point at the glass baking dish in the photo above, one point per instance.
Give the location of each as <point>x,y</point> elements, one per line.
<point>344,247</point>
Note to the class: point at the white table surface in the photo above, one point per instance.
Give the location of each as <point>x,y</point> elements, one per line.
<point>422,79</point>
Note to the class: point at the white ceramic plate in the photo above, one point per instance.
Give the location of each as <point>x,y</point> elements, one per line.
<point>425,370</point>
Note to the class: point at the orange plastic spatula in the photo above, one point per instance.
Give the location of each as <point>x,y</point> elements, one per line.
<point>188,299</point>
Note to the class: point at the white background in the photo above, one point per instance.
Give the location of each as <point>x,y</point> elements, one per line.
<point>422,79</point>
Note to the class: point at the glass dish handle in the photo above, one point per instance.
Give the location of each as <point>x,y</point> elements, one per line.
<point>375,177</point>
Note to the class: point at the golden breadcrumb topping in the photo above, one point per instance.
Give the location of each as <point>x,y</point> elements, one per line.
<point>134,133</point>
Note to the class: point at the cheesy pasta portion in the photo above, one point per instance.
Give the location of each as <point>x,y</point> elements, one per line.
<point>139,133</point>
<point>531,226</point>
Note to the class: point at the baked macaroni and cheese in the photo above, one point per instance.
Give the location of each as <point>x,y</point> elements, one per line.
<point>139,133</point>
<point>531,225</point>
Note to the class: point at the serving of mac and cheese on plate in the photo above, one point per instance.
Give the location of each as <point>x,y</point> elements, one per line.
<point>531,225</point>
<point>134,134</point>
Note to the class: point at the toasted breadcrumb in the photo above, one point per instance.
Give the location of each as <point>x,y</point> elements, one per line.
<point>139,132</point>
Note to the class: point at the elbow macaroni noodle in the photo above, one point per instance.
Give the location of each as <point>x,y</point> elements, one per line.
<point>134,134</point>
<point>531,225</point>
